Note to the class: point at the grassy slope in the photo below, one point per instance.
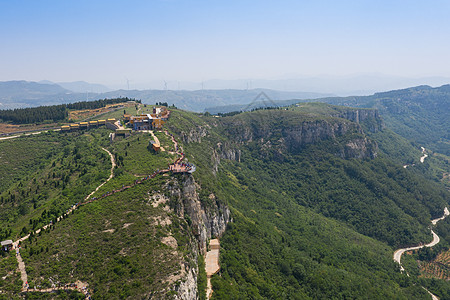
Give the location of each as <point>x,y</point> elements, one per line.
<point>72,165</point>
<point>126,263</point>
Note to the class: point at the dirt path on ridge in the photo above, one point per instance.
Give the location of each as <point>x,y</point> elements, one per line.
<point>80,286</point>
<point>113,165</point>
<point>21,264</point>
<point>156,139</point>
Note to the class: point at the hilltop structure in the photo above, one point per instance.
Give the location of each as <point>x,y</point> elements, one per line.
<point>151,121</point>
<point>6,245</point>
<point>87,125</point>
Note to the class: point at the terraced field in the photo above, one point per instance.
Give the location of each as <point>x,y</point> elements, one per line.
<point>438,268</point>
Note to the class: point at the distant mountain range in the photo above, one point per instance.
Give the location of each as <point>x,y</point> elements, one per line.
<point>350,85</point>
<point>353,85</point>
<point>81,86</point>
<point>15,94</point>
<point>11,91</point>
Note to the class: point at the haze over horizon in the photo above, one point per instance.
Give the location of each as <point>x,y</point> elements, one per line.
<point>146,43</point>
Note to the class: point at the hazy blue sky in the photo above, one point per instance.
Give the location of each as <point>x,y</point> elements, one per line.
<point>106,41</point>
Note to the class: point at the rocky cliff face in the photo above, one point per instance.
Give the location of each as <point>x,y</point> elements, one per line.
<point>281,136</point>
<point>195,135</point>
<point>224,151</point>
<point>361,148</point>
<point>206,220</point>
<point>314,132</point>
<point>370,118</point>
<point>187,289</point>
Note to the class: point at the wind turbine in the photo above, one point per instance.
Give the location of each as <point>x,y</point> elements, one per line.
<point>128,83</point>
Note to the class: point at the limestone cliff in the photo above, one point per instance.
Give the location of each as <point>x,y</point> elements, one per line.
<point>369,118</point>
<point>291,133</point>
<point>206,220</point>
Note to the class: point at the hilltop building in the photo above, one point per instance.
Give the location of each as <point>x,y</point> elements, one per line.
<point>155,146</point>
<point>7,245</point>
<point>151,121</point>
<point>87,125</point>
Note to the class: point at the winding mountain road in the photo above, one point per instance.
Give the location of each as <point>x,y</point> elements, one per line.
<point>422,159</point>
<point>398,253</point>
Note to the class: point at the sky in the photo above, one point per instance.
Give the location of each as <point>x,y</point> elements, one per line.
<point>111,41</point>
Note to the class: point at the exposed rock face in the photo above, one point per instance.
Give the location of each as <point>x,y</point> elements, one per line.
<point>361,148</point>
<point>206,220</point>
<point>313,132</point>
<point>224,151</point>
<point>187,290</point>
<point>194,135</point>
<point>299,130</point>
<point>296,136</point>
<point>278,133</point>
<point>369,117</point>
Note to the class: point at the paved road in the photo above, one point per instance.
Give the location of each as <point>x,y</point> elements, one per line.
<point>27,134</point>
<point>422,159</point>
<point>398,253</point>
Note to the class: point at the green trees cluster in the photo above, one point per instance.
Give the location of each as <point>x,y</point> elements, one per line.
<point>41,185</point>
<point>53,113</point>
<point>34,114</point>
<point>98,103</point>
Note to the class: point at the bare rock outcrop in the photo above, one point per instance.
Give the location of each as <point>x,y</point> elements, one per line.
<point>207,220</point>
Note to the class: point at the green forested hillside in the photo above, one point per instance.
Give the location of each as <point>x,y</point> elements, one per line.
<point>122,246</point>
<point>420,114</point>
<point>45,174</point>
<point>318,206</point>
<point>299,208</point>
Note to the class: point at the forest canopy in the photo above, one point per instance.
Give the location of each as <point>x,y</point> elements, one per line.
<point>54,112</point>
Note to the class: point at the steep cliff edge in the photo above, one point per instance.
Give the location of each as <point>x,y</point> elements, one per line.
<point>211,143</point>
<point>207,220</point>
<point>279,131</point>
<point>369,118</point>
